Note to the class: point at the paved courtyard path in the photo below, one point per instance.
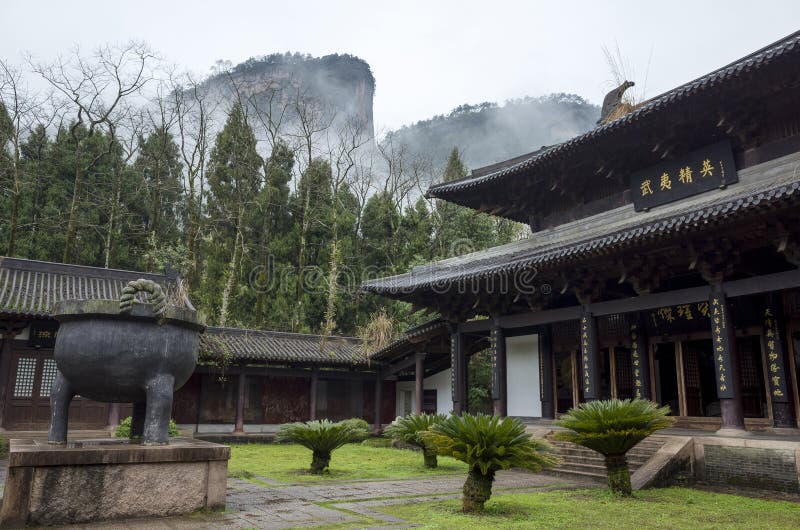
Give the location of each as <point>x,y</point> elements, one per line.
<point>276,505</point>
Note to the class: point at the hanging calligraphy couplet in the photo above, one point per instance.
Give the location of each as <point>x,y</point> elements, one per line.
<point>776,375</point>
<point>706,169</point>
<point>640,358</point>
<point>454,346</point>
<point>588,376</point>
<point>721,336</point>
<point>497,343</point>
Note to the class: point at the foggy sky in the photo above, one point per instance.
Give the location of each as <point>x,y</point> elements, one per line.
<point>427,56</point>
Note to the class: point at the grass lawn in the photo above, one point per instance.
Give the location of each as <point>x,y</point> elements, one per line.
<point>290,463</point>
<point>658,508</point>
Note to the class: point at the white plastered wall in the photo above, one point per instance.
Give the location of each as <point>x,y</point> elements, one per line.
<point>439,381</point>
<point>522,376</point>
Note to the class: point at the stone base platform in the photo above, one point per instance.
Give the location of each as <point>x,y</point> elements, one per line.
<point>93,480</point>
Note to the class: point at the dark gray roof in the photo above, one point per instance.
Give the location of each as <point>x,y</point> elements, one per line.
<point>276,346</point>
<point>760,187</point>
<point>29,288</point>
<point>781,50</point>
<point>400,345</point>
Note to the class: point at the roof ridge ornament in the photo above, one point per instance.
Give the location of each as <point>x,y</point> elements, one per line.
<point>613,102</point>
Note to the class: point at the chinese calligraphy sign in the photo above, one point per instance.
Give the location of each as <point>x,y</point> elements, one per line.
<point>774,350</point>
<point>495,338</point>
<point>588,356</point>
<point>720,336</point>
<point>696,172</point>
<point>640,361</point>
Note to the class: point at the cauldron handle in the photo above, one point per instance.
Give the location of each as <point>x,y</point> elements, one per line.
<point>157,298</point>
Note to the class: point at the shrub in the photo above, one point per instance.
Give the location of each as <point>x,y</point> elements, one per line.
<point>361,429</point>
<point>410,430</point>
<point>124,429</point>
<point>612,427</point>
<point>322,437</point>
<point>488,444</point>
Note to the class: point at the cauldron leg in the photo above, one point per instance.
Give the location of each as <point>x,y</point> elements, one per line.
<point>61,394</point>
<point>137,419</point>
<point>159,410</point>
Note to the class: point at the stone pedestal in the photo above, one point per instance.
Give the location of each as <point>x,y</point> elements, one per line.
<point>93,480</point>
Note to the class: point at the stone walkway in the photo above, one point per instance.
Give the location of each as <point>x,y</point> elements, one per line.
<point>252,505</point>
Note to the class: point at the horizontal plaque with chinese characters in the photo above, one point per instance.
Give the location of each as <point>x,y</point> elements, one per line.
<point>696,172</point>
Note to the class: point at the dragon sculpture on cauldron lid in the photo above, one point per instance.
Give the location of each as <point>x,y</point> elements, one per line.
<point>126,351</point>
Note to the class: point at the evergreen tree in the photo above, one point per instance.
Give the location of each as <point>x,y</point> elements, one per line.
<point>234,182</point>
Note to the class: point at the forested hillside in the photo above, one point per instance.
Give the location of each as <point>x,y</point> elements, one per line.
<point>487,132</point>
<point>272,227</point>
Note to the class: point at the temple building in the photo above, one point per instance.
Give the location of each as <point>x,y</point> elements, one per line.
<point>662,264</point>
<point>245,381</point>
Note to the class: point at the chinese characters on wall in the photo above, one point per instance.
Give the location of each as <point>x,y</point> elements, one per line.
<point>588,355</point>
<point>639,358</point>
<point>774,350</point>
<point>699,171</point>
<point>495,337</point>
<point>720,336</point>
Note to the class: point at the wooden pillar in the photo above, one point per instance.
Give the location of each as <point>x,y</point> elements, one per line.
<point>312,395</point>
<point>457,368</point>
<point>782,414</point>
<point>590,372</point>
<point>725,365</point>
<point>497,344</point>
<point>546,373</point>
<point>419,377</point>
<point>640,359</point>
<point>5,369</point>
<point>113,415</point>
<point>378,389</point>
<point>239,427</point>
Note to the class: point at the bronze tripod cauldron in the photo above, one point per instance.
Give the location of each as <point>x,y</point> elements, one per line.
<point>124,352</point>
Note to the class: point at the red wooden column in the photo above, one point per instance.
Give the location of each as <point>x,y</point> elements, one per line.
<point>113,415</point>
<point>312,395</point>
<point>378,387</point>
<point>777,383</point>
<point>546,372</point>
<point>497,346</point>
<point>457,379</point>
<point>590,372</point>
<point>240,404</point>
<point>9,330</point>
<point>725,362</point>
<point>419,377</point>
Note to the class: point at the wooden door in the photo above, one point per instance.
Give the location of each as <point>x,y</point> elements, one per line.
<point>28,404</point>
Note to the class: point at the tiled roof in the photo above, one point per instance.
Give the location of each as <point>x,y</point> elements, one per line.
<point>275,346</point>
<point>398,346</point>
<point>29,288</point>
<point>784,49</point>
<point>763,186</point>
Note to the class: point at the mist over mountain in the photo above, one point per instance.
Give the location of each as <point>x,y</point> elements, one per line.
<point>341,87</point>
<point>487,132</point>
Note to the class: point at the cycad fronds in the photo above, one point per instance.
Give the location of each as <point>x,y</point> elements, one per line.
<point>321,437</point>
<point>411,429</point>
<point>612,427</point>
<point>487,444</point>
<point>490,443</point>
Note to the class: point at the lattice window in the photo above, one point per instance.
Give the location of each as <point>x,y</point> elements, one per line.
<point>26,372</point>
<point>49,372</point>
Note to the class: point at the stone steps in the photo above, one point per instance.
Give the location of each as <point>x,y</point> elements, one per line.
<point>585,463</point>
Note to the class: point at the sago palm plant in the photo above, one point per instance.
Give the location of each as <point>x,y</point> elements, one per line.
<point>612,427</point>
<point>410,429</point>
<point>488,444</point>
<point>322,437</point>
